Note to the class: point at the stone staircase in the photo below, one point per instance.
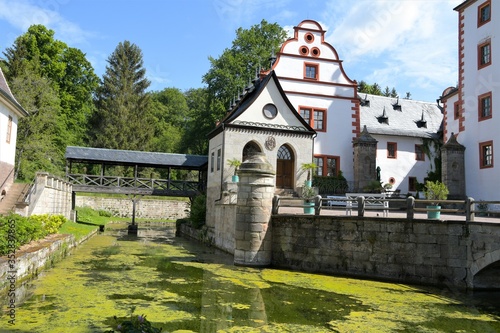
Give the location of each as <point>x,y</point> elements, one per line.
<point>15,193</point>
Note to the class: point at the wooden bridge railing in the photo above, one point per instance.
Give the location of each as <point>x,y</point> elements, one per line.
<point>124,183</point>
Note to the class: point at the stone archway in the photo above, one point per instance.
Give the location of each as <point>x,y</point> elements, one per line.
<point>284,167</point>
<point>250,147</point>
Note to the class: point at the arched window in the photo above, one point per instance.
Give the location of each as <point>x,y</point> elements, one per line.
<point>250,148</point>
<point>284,153</point>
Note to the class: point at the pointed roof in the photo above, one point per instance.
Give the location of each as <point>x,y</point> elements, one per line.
<point>453,144</point>
<point>250,95</point>
<point>9,97</point>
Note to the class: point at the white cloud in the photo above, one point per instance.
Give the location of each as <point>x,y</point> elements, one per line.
<point>22,14</point>
<point>407,44</point>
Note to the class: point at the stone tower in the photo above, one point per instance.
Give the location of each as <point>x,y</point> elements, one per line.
<point>453,168</point>
<point>253,212</point>
<point>365,152</point>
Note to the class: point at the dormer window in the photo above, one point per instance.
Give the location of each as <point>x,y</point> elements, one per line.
<point>383,119</point>
<point>422,122</point>
<point>364,102</point>
<point>396,106</point>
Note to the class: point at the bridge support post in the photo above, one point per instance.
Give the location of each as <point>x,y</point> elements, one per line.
<point>253,212</point>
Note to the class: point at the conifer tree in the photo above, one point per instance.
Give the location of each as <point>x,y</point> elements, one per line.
<point>123,119</point>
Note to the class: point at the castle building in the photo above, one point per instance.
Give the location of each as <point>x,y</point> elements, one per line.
<point>311,73</point>
<point>469,108</point>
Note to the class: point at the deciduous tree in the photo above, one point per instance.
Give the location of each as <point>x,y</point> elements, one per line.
<point>231,72</point>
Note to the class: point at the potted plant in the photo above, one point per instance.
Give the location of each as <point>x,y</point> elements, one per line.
<point>236,164</point>
<point>308,194</point>
<point>310,168</point>
<point>436,192</point>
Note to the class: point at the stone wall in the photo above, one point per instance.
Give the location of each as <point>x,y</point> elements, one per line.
<point>418,251</point>
<point>7,175</point>
<point>452,253</point>
<point>48,195</point>
<point>145,208</point>
<point>32,258</point>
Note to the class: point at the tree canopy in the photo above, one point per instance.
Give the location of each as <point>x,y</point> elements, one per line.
<point>123,119</point>
<point>375,89</point>
<point>55,83</point>
<point>230,73</point>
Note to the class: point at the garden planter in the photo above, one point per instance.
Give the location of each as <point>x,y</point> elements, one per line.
<point>310,209</point>
<point>433,215</point>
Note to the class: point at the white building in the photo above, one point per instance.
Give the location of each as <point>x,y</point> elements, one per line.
<point>408,134</point>
<point>311,74</point>
<point>10,112</point>
<point>262,120</point>
<point>470,107</point>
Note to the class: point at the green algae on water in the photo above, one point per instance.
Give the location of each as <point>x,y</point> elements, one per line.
<point>113,273</point>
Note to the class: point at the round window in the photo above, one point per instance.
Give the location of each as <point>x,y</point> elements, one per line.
<point>309,37</point>
<point>270,111</point>
<point>304,50</point>
<point>315,52</point>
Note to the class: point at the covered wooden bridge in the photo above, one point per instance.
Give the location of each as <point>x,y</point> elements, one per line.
<point>94,168</point>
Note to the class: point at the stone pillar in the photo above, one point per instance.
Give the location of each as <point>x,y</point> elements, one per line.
<point>253,212</point>
<point>453,168</point>
<point>365,154</point>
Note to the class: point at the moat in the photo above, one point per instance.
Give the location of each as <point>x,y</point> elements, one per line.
<point>183,286</point>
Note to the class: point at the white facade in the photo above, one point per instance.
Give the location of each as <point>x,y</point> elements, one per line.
<point>408,133</point>
<point>477,97</point>
<point>265,121</point>
<point>10,112</point>
<point>329,94</point>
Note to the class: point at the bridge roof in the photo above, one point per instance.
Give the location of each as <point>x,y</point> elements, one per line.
<point>131,157</point>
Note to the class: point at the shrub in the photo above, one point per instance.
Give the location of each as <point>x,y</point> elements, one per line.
<point>435,191</point>
<point>16,230</point>
<point>104,213</point>
<point>135,324</point>
<point>198,211</point>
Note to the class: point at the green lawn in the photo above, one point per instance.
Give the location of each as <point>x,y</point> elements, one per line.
<point>76,229</point>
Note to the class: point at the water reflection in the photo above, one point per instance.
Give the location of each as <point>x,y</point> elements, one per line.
<point>183,286</point>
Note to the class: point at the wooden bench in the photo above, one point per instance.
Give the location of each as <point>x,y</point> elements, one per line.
<point>375,201</point>
<point>336,200</point>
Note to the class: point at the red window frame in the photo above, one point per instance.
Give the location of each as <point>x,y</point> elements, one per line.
<point>412,184</point>
<point>456,110</point>
<point>484,156</point>
<point>309,115</point>
<point>480,9</point>
<point>481,54</point>
<point>481,106</point>
<point>316,69</point>
<point>419,153</point>
<point>323,166</point>
<point>394,146</point>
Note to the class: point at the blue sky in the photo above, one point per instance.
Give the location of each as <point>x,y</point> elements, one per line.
<point>407,44</point>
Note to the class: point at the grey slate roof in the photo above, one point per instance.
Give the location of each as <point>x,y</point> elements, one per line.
<point>400,123</point>
<point>130,157</point>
